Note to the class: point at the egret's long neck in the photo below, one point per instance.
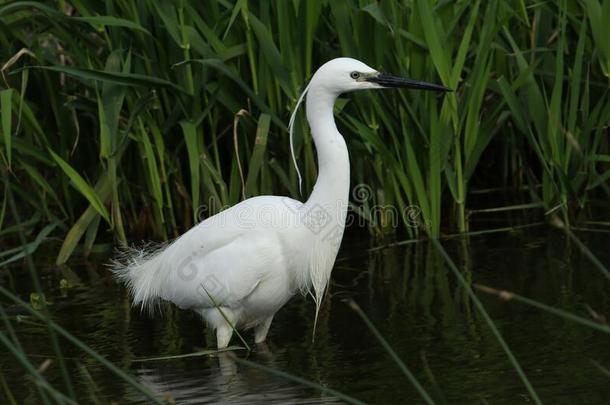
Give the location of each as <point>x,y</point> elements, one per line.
<point>331,190</point>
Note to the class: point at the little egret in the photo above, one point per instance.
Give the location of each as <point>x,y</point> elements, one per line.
<point>240,266</point>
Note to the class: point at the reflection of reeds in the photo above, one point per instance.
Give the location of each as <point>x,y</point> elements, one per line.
<point>386,346</point>
<point>584,249</point>
<point>38,378</point>
<point>125,123</point>
<point>465,284</point>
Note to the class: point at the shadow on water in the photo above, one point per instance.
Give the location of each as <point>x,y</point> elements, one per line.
<point>407,292</point>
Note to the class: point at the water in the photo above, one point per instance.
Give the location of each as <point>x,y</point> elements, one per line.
<point>407,292</point>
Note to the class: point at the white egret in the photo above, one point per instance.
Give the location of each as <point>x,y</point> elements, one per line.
<point>240,266</point>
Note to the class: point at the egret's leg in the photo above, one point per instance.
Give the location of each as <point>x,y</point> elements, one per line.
<point>260,332</point>
<point>223,336</point>
<point>226,321</point>
<point>223,320</point>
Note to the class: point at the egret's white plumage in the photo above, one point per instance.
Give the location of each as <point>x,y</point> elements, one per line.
<point>239,267</point>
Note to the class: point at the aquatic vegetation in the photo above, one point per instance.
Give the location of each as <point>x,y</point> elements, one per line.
<point>143,118</point>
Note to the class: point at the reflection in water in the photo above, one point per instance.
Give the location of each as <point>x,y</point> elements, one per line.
<point>407,292</point>
<point>219,379</point>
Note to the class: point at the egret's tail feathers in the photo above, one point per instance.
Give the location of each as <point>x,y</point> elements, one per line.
<point>140,270</point>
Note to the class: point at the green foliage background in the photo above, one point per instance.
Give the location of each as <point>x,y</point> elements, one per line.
<point>131,116</point>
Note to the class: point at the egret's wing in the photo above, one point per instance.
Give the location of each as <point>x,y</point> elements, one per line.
<point>222,277</point>
<point>218,262</point>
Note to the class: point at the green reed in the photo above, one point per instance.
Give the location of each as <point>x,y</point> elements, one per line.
<point>141,118</point>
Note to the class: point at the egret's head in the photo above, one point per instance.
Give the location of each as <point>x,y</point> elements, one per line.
<point>343,75</point>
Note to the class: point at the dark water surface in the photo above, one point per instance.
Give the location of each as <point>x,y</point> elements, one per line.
<point>408,293</point>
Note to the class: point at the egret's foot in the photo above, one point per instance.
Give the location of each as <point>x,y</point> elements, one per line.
<point>261,330</point>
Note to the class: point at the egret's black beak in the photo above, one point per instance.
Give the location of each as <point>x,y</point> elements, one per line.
<point>387,80</point>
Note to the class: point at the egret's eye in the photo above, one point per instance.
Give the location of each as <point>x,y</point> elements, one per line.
<point>354,75</point>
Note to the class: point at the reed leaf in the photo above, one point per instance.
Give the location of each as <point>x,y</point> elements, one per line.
<point>82,186</point>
